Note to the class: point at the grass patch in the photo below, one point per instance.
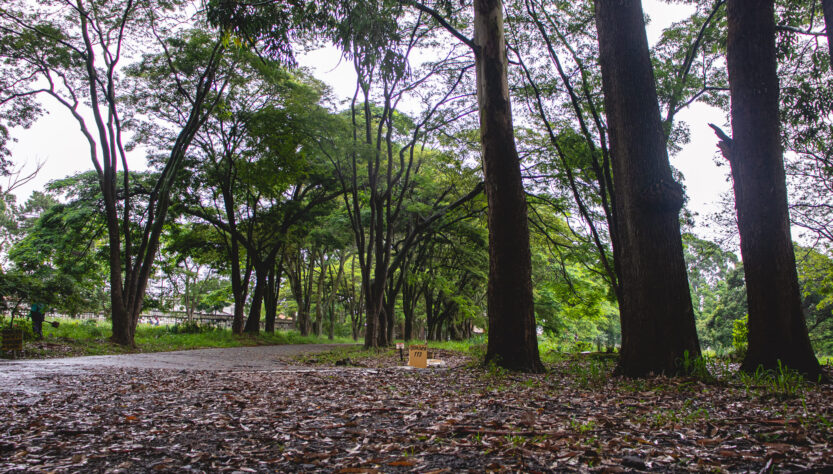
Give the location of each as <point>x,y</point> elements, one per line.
<point>92,337</point>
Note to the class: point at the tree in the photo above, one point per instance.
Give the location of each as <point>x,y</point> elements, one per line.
<point>190,261</point>
<point>510,308</point>
<point>777,330</point>
<point>815,275</point>
<point>62,246</point>
<point>827,5</point>
<point>71,53</point>
<point>254,162</point>
<point>12,216</point>
<point>656,313</point>
<point>512,331</point>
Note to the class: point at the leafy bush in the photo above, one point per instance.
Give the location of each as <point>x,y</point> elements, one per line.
<point>19,323</point>
<point>189,327</point>
<point>590,372</point>
<point>740,336</point>
<point>92,328</point>
<point>783,383</point>
<point>696,367</point>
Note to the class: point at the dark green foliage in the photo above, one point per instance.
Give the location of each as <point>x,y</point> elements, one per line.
<point>62,256</point>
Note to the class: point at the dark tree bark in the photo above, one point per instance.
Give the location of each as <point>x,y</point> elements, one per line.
<point>827,5</point>
<point>328,303</point>
<point>320,305</point>
<point>253,321</point>
<point>273,288</point>
<point>430,312</point>
<point>655,309</point>
<point>777,330</point>
<point>239,279</point>
<point>513,342</point>
<point>410,295</point>
<point>332,328</point>
<point>354,302</point>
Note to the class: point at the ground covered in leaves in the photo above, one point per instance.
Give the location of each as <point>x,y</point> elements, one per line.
<point>382,418</point>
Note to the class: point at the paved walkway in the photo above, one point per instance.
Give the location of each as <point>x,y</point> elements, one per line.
<point>33,376</point>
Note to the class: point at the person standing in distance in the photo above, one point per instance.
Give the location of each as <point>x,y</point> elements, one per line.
<point>37,315</point>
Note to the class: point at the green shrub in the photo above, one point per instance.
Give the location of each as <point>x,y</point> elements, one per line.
<point>696,367</point>
<point>19,323</point>
<point>783,382</point>
<point>590,372</point>
<point>740,336</point>
<point>189,327</point>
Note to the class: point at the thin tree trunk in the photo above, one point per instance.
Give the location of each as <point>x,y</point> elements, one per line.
<point>827,5</point>
<point>240,289</point>
<point>388,310</point>
<point>777,330</point>
<point>271,296</point>
<point>410,295</point>
<point>239,281</point>
<point>513,342</point>
<point>430,320</point>
<point>331,330</point>
<point>320,302</point>
<point>656,312</point>
<point>253,321</point>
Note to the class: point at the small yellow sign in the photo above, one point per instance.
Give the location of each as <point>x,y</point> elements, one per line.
<point>418,356</point>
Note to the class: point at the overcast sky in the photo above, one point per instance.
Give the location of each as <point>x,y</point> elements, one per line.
<point>56,141</point>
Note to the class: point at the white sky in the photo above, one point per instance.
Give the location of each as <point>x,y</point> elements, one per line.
<point>56,141</point>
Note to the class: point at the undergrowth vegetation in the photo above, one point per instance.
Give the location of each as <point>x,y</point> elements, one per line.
<point>586,370</point>
<point>91,337</point>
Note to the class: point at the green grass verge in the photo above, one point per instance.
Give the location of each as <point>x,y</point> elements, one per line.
<point>91,337</point>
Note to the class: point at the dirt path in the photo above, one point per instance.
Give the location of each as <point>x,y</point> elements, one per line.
<point>35,376</point>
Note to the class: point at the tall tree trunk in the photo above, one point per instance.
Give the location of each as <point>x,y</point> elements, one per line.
<point>331,330</point>
<point>273,289</point>
<point>122,333</point>
<point>239,285</point>
<point>303,315</point>
<point>373,307</point>
<point>410,295</point>
<point>270,301</point>
<point>430,319</point>
<point>320,301</point>
<point>189,300</point>
<point>777,330</point>
<point>390,313</point>
<point>253,321</point>
<point>239,292</point>
<point>827,5</point>
<point>120,315</point>
<point>356,309</point>
<point>656,312</point>
<point>513,342</point>
<point>382,328</point>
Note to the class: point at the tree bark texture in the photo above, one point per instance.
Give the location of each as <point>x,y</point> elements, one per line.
<point>513,342</point>
<point>239,277</point>
<point>273,288</point>
<point>777,330</point>
<point>655,309</point>
<point>827,6</point>
<point>253,321</point>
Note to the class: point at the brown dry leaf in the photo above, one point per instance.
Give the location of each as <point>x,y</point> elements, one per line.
<point>377,420</point>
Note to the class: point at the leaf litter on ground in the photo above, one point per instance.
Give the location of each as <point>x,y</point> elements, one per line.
<point>384,418</point>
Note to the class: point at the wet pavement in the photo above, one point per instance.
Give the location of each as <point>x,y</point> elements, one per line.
<point>31,376</point>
